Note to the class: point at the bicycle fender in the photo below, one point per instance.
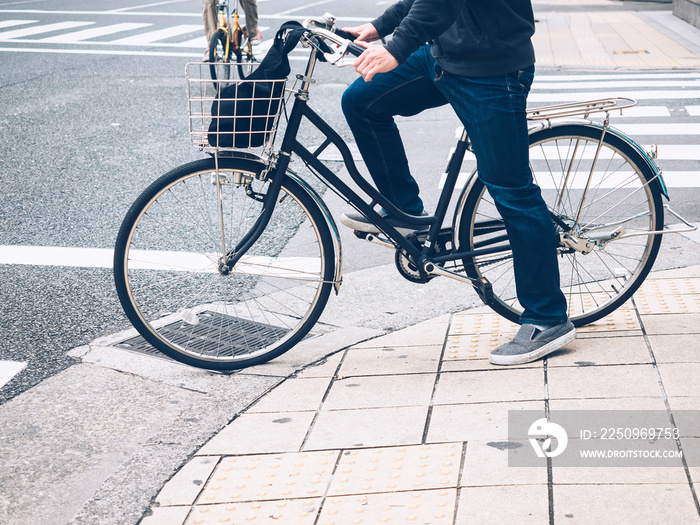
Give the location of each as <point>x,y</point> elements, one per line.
<point>335,234</point>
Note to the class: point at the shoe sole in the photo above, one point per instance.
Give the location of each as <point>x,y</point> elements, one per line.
<point>521,359</point>
<point>366,227</point>
<point>358,225</point>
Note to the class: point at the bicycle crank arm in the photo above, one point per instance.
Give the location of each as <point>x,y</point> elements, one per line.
<point>482,285</point>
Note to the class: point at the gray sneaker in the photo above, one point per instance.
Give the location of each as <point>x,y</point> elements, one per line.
<point>531,343</point>
<point>360,223</point>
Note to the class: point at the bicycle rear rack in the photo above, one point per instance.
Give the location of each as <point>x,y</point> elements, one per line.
<point>580,109</point>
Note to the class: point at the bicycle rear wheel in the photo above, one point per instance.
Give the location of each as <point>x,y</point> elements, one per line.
<point>220,57</point>
<point>622,205</point>
<point>167,266</point>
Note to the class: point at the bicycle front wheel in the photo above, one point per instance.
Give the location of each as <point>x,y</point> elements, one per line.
<point>220,57</point>
<point>609,201</point>
<point>178,293</point>
<point>243,50</point>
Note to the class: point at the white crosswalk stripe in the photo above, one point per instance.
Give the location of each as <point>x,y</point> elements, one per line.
<point>14,34</point>
<point>668,123</point>
<point>95,32</point>
<point>9,369</point>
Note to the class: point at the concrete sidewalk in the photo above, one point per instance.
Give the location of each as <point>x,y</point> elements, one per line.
<point>413,427</point>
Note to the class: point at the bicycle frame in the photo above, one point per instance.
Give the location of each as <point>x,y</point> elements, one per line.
<point>425,257</point>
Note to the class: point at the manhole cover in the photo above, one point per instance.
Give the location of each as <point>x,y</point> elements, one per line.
<point>214,334</point>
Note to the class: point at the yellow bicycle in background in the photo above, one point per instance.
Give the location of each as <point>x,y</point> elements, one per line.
<point>229,40</point>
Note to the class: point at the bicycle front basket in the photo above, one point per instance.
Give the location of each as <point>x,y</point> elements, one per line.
<point>241,115</point>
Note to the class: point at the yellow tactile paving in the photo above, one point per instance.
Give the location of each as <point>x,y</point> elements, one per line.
<point>669,296</point>
<point>622,319</point>
<point>480,323</point>
<point>269,477</point>
<point>296,512</point>
<point>392,469</point>
<point>429,506</point>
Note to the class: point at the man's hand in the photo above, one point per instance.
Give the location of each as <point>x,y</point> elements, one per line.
<point>365,32</point>
<point>375,60</point>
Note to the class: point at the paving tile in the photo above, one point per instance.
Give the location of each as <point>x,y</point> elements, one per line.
<point>261,433</point>
<point>684,403</point>
<point>380,391</point>
<point>324,368</point>
<point>476,364</point>
<point>680,379</point>
<point>431,332</point>
<point>662,324</point>
<point>503,384</point>
<point>623,504</point>
<point>486,464</point>
<point>603,381</point>
<point>394,469</point>
<point>661,296</point>
<point>486,505</point>
<point>691,452</point>
<point>268,477</point>
<point>389,360</point>
<point>608,403</point>
<point>425,506</point>
<point>296,511</point>
<point>623,319</point>
<point>620,475</point>
<point>671,348</point>
<point>166,516</point>
<point>481,322</point>
<point>475,347</point>
<point>367,428</point>
<point>186,485</point>
<point>294,395</point>
<point>602,351</point>
<point>476,421</point>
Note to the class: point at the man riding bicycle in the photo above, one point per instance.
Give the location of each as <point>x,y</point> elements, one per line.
<point>479,58</point>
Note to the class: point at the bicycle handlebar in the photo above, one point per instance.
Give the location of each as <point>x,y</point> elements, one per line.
<point>335,35</point>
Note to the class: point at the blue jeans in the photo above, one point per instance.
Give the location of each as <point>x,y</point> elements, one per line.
<point>492,110</point>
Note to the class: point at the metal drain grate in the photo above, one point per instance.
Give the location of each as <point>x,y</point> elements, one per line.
<point>214,334</point>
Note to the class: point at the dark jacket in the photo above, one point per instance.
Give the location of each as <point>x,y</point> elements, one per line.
<point>468,37</point>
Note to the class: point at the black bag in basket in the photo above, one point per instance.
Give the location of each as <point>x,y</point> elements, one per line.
<point>243,113</point>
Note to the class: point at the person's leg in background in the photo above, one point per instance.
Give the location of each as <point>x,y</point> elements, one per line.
<point>250,8</point>
<point>209,17</point>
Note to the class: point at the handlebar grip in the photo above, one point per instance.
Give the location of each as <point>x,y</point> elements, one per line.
<point>356,50</point>
<point>344,34</point>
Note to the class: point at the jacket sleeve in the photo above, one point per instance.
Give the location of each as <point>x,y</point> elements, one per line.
<point>416,22</point>
<point>392,17</point>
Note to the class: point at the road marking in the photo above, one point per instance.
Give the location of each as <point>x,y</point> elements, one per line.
<point>279,267</point>
<point>101,52</point>
<point>693,111</point>
<point>154,36</point>
<point>593,95</point>
<point>36,30</point>
<point>301,8</point>
<point>13,23</point>
<point>672,179</point>
<point>95,32</point>
<point>9,369</point>
<point>615,84</point>
<point>121,10</point>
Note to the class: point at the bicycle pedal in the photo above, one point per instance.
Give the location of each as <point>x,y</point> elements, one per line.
<point>484,290</point>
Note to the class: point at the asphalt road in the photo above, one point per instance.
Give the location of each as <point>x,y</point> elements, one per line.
<point>86,126</point>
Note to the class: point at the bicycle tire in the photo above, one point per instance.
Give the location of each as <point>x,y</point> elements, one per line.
<point>597,283</point>
<point>166,266</point>
<point>220,58</point>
